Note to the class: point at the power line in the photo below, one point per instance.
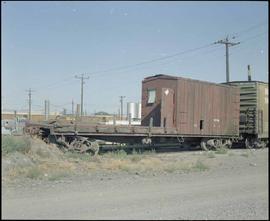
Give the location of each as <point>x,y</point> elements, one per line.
<point>245,40</point>
<point>250,28</point>
<point>253,37</point>
<point>55,82</point>
<point>237,47</point>
<point>67,80</point>
<point>130,66</point>
<point>169,62</point>
<point>61,105</point>
<point>153,60</point>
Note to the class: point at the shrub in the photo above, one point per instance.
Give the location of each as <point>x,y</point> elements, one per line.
<point>222,150</point>
<point>199,166</point>
<point>119,154</point>
<point>79,156</point>
<point>135,157</point>
<point>12,144</point>
<point>211,155</point>
<point>231,154</point>
<point>43,153</point>
<point>58,175</point>
<point>170,168</point>
<point>34,173</point>
<point>245,154</point>
<point>150,152</point>
<point>125,167</point>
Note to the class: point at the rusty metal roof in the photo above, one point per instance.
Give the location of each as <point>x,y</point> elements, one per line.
<point>170,77</point>
<point>246,82</point>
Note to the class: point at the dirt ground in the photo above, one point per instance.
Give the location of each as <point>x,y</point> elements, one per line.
<point>230,185</point>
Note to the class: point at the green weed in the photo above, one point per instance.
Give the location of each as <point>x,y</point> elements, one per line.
<point>221,150</point>
<point>199,166</point>
<point>211,155</point>
<point>34,173</point>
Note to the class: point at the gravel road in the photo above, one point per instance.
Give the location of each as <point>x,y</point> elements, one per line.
<point>235,187</point>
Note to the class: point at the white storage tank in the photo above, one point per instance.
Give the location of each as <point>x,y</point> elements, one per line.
<point>132,109</point>
<point>139,110</point>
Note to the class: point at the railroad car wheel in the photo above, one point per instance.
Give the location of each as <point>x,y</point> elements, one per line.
<point>147,140</point>
<point>211,144</point>
<point>248,144</point>
<point>259,144</point>
<point>204,145</point>
<point>92,146</point>
<point>226,143</point>
<point>254,143</point>
<point>217,144</point>
<point>229,144</point>
<point>83,145</point>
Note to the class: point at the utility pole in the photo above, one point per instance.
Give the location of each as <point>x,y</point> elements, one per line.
<point>29,102</point>
<point>82,82</point>
<point>72,108</point>
<point>45,112</point>
<point>249,73</point>
<point>77,111</point>
<point>47,109</point>
<point>121,110</point>
<point>227,44</point>
<point>16,120</point>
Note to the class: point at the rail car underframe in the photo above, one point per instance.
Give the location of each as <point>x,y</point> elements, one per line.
<point>149,137</point>
<point>67,137</point>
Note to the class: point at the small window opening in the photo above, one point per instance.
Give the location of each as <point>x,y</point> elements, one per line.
<point>151,96</point>
<point>201,124</point>
<point>164,122</point>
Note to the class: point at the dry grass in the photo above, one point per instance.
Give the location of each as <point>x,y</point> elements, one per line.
<point>135,158</point>
<point>79,156</point>
<point>118,154</point>
<point>113,164</point>
<point>45,170</point>
<point>200,166</point>
<point>48,164</point>
<point>10,144</point>
<point>58,170</point>
<point>58,175</point>
<point>244,154</point>
<point>89,166</point>
<point>231,154</point>
<point>152,164</point>
<point>210,154</point>
<point>221,150</point>
<point>34,173</point>
<point>42,153</point>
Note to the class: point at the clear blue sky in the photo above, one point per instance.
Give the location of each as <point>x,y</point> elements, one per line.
<point>44,43</point>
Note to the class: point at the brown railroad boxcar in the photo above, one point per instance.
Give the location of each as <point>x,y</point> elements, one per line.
<point>193,107</point>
